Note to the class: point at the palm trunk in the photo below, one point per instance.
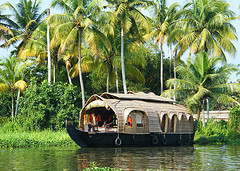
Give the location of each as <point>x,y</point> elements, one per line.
<point>198,116</point>
<point>108,70</point>
<point>68,75</point>
<point>175,77</point>
<point>207,110</point>
<point>80,68</point>
<point>16,109</point>
<point>122,59</point>
<point>170,67</point>
<point>48,49</point>
<point>116,78</point>
<point>161,68</point>
<point>12,94</point>
<point>203,116</point>
<point>54,71</point>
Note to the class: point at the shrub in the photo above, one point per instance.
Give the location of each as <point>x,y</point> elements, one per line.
<point>212,128</point>
<point>47,106</point>
<point>234,123</point>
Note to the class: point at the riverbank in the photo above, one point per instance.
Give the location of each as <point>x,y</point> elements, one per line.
<point>35,139</point>
<point>215,140</point>
<point>61,138</point>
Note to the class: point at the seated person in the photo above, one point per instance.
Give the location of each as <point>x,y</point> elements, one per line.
<point>106,126</point>
<point>89,126</point>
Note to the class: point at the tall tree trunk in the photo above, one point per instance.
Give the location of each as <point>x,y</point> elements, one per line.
<point>108,70</point>
<point>198,116</point>
<point>79,66</point>
<point>207,109</point>
<point>170,65</point>
<point>122,59</point>
<point>203,115</point>
<point>12,94</point>
<point>116,78</point>
<point>175,77</point>
<point>54,71</point>
<point>16,109</point>
<point>48,49</point>
<point>68,75</point>
<point>161,68</point>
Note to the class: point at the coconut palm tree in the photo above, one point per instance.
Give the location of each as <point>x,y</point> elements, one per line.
<point>206,27</point>
<point>26,18</point>
<point>37,47</point>
<point>163,23</point>
<point>110,60</point>
<point>5,32</point>
<point>129,20</point>
<point>11,76</point>
<point>73,25</point>
<point>200,79</point>
<point>21,86</point>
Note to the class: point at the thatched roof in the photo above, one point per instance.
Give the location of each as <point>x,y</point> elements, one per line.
<point>137,96</point>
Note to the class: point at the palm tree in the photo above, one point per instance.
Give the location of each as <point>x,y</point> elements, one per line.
<point>162,28</point>
<point>110,60</point>
<point>73,25</point>
<point>21,86</point>
<point>11,77</point>
<point>206,27</point>
<point>26,19</point>
<point>37,47</point>
<point>5,32</point>
<point>129,17</point>
<point>200,79</point>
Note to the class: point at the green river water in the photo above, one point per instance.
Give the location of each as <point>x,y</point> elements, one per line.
<point>162,158</point>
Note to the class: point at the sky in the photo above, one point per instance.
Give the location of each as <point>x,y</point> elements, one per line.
<point>234,6</point>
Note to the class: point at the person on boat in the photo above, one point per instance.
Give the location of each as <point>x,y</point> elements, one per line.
<point>90,119</point>
<point>130,121</point>
<point>106,126</point>
<point>98,120</point>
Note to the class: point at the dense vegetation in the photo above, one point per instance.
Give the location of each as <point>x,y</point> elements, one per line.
<point>220,132</point>
<point>91,43</point>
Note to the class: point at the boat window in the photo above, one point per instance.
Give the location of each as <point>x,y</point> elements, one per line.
<point>139,118</point>
<point>135,119</point>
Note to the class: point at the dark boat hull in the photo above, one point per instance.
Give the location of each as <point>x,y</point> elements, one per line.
<point>114,139</point>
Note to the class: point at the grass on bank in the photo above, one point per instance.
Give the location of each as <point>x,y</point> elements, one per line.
<point>36,139</point>
<point>214,133</point>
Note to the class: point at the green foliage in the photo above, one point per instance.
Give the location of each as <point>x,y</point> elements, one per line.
<point>35,139</point>
<point>234,123</point>
<point>95,168</point>
<point>212,128</point>
<point>5,105</point>
<point>46,106</point>
<point>215,132</point>
<point>99,82</point>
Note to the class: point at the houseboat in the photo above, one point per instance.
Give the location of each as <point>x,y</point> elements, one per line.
<point>132,119</point>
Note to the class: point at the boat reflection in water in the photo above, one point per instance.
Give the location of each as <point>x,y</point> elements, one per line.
<point>126,158</point>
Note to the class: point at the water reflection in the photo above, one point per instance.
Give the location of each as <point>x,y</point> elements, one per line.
<point>137,158</point>
<point>162,158</point>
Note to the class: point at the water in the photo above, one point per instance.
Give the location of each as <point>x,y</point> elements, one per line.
<point>163,158</point>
